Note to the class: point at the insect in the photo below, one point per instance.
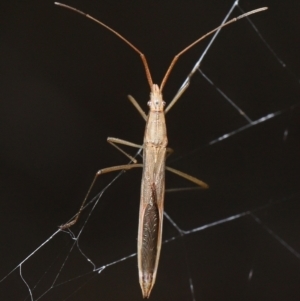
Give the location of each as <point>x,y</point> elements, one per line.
<point>155,152</point>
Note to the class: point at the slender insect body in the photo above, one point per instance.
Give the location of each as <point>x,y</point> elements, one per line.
<point>152,192</point>
<point>154,164</point>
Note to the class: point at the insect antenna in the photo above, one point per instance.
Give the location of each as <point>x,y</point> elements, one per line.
<point>176,57</point>
<point>144,60</point>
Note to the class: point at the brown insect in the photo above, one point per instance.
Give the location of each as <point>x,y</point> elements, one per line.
<point>155,152</point>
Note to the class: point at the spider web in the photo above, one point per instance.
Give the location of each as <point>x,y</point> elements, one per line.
<point>237,241</point>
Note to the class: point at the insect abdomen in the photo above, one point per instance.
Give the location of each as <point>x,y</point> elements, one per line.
<point>149,247</point>
<point>150,236</point>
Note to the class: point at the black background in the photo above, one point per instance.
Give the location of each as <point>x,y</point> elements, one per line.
<point>64,82</point>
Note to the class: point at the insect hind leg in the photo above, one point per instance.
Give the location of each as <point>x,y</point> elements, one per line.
<point>100,172</point>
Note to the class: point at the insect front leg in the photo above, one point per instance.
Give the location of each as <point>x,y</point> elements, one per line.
<point>137,106</point>
<point>176,97</point>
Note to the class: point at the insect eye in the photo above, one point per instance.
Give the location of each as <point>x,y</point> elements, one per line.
<point>164,103</point>
<point>149,103</point>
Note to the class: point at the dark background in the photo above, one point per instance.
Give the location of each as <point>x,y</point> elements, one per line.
<point>64,82</point>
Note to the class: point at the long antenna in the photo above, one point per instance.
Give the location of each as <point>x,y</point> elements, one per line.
<point>144,60</point>
<point>176,57</point>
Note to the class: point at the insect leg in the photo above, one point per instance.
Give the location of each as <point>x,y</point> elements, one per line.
<point>137,106</point>
<point>100,172</point>
<point>176,97</point>
<point>170,151</point>
<point>188,177</point>
<point>113,141</point>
